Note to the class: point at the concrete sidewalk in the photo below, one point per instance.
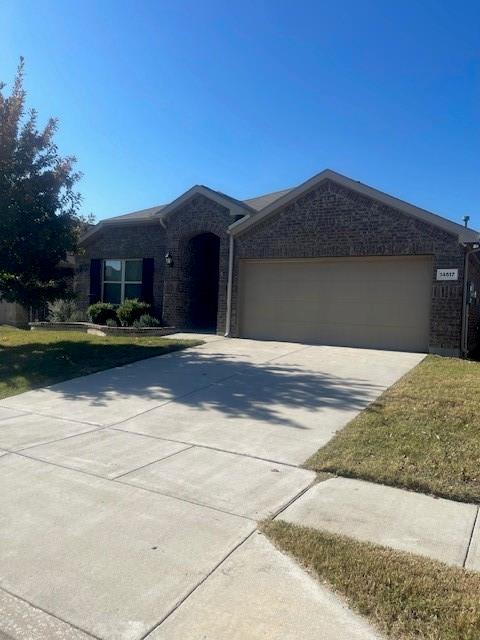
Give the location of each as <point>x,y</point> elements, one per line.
<point>261,594</point>
<point>439,529</point>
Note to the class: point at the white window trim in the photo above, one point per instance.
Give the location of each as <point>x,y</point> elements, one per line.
<point>122,282</point>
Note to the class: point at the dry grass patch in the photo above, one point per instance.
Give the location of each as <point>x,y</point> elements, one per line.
<point>405,596</point>
<point>423,433</point>
<point>31,359</point>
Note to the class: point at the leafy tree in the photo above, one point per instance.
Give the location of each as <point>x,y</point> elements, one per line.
<point>39,220</point>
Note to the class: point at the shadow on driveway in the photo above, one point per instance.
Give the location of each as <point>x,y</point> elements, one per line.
<point>233,385</point>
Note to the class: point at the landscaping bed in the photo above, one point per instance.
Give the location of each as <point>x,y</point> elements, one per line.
<point>101,329</point>
<point>422,434</point>
<point>406,597</point>
<point>31,359</point>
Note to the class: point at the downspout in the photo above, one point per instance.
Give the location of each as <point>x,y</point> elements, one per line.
<point>228,319</point>
<point>464,340</point>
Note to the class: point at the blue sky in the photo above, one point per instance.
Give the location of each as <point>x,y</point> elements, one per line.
<point>255,96</point>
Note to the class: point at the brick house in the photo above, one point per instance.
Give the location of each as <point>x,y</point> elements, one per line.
<point>332,261</point>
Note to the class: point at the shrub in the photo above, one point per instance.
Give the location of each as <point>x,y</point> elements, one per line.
<point>78,316</point>
<point>131,310</point>
<point>62,311</point>
<point>111,322</point>
<point>147,321</point>
<point>100,312</point>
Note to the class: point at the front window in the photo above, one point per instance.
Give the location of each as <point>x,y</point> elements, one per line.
<point>121,279</point>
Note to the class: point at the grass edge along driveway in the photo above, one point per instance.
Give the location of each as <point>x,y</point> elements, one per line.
<point>404,596</point>
<point>33,359</point>
<point>423,433</point>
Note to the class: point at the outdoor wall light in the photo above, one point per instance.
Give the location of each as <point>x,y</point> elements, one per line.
<point>168,259</point>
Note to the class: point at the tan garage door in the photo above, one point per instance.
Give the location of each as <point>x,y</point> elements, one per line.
<point>379,303</point>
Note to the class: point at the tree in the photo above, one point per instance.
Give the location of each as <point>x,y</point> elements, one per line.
<point>39,220</point>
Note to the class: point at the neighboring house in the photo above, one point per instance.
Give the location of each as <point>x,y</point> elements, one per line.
<point>331,261</point>
<point>13,313</point>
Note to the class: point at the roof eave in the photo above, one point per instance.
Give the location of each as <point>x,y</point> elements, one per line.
<point>235,207</point>
<point>115,222</point>
<point>473,238</point>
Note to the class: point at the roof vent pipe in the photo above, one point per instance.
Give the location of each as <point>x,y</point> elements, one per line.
<point>466,220</point>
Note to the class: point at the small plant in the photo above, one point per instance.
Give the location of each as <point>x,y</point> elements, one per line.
<point>78,316</point>
<point>62,311</point>
<point>131,310</point>
<point>100,312</point>
<point>111,322</point>
<point>147,321</point>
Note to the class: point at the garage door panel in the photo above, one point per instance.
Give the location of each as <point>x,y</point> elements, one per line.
<point>363,302</point>
<point>344,335</point>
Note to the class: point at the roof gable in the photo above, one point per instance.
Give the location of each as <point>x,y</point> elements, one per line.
<point>236,207</point>
<point>463,234</point>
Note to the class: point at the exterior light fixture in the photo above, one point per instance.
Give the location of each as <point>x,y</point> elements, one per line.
<point>168,259</point>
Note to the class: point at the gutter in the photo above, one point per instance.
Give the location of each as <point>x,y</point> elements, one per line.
<point>474,248</point>
<point>228,319</point>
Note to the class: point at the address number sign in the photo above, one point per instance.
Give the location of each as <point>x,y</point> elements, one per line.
<point>447,274</point>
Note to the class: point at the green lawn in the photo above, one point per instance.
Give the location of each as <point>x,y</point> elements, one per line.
<point>31,359</point>
<point>422,434</point>
<point>405,596</point>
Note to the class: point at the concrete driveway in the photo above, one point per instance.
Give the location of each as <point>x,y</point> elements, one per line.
<point>129,498</point>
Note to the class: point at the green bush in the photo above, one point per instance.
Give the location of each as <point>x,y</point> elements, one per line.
<point>111,322</point>
<point>131,310</point>
<point>147,321</point>
<point>78,316</point>
<point>100,312</point>
<point>62,311</point>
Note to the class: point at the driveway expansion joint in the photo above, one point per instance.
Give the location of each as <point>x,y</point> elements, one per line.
<point>144,466</point>
<point>204,505</point>
<point>42,414</point>
<point>199,584</point>
<point>211,448</point>
<point>48,613</point>
<point>292,500</point>
<point>470,541</point>
<point>40,444</point>
<point>127,484</point>
<point>60,466</point>
<point>21,412</point>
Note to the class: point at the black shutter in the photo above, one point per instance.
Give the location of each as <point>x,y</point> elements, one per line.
<point>147,280</point>
<point>95,280</point>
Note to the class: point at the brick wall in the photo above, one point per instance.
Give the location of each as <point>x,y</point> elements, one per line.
<point>142,240</point>
<point>333,221</point>
<point>199,215</point>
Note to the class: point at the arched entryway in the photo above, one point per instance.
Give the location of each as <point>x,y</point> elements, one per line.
<point>203,252</point>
